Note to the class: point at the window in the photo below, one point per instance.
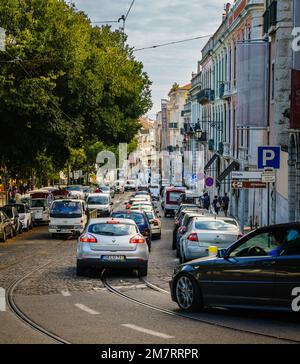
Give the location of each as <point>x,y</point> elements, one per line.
<point>113,229</point>
<point>259,245</point>
<point>275,243</point>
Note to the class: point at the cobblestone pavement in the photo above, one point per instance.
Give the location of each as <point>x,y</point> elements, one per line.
<point>34,249</point>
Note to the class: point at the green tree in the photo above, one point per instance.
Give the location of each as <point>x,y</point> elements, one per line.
<point>63,83</point>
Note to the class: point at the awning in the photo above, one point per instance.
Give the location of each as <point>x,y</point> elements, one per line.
<point>211,161</point>
<point>234,166</point>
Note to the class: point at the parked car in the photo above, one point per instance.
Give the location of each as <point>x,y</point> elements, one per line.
<point>12,213</point>
<point>203,232</point>
<point>25,215</point>
<point>140,218</point>
<point>112,243</point>
<point>6,227</point>
<point>258,271</point>
<point>101,202</point>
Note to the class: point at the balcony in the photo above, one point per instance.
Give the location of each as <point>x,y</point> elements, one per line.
<point>206,96</point>
<point>270,17</point>
<point>226,90</point>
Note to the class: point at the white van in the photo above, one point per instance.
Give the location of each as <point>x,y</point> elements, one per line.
<point>101,202</point>
<point>154,190</point>
<point>120,186</point>
<point>68,216</point>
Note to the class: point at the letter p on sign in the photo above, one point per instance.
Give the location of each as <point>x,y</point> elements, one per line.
<point>268,157</point>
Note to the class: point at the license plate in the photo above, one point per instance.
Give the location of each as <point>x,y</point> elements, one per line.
<point>113,258</point>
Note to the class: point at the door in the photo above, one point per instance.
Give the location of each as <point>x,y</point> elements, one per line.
<point>287,270</point>
<point>246,277</point>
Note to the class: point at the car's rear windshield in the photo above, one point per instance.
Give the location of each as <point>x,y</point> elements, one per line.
<point>64,209</point>
<point>137,218</point>
<point>97,200</point>
<point>112,229</point>
<point>150,215</point>
<point>214,225</point>
<point>104,188</point>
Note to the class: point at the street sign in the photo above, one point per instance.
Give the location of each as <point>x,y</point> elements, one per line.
<point>236,185</point>
<point>246,174</point>
<point>248,184</point>
<point>268,157</point>
<point>209,182</point>
<point>269,176</point>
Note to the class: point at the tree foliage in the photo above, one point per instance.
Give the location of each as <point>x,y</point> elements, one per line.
<point>64,85</point>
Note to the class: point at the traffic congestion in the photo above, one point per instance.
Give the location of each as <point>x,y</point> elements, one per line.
<point>217,265</point>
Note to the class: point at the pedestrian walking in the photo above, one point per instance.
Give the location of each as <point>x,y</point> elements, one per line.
<point>225,203</point>
<point>206,201</point>
<point>216,204</point>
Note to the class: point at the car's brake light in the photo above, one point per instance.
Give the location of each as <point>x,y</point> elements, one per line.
<point>137,239</point>
<point>155,222</point>
<point>146,232</point>
<point>193,237</point>
<point>87,238</point>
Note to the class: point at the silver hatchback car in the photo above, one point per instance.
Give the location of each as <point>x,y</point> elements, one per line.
<point>112,243</point>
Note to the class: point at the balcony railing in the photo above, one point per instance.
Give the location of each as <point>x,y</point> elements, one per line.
<point>205,96</point>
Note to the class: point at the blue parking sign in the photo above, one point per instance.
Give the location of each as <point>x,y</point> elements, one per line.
<point>268,157</point>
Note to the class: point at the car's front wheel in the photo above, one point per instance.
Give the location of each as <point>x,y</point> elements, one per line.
<point>188,295</point>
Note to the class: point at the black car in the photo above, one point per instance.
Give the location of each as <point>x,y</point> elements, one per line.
<point>13,214</point>
<point>140,218</point>
<point>261,270</point>
<point>6,227</point>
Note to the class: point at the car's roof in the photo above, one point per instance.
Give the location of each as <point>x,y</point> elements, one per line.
<point>104,220</point>
<point>67,200</point>
<point>97,194</point>
<point>129,212</point>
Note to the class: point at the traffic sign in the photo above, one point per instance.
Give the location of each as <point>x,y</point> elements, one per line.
<point>246,174</point>
<point>236,185</point>
<point>248,184</point>
<point>268,157</point>
<point>269,176</point>
<point>209,181</point>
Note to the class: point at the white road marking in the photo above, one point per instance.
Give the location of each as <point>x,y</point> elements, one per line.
<point>66,293</point>
<point>86,309</point>
<point>149,332</point>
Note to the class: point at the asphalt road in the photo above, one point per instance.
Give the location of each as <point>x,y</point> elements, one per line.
<point>121,309</point>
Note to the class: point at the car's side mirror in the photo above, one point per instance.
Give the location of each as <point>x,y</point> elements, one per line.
<point>222,253</point>
<point>111,203</point>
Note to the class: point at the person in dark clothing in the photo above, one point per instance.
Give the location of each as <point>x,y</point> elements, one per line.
<point>225,204</point>
<point>206,201</point>
<point>216,204</point>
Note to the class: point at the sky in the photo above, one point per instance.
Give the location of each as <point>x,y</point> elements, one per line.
<point>153,22</point>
